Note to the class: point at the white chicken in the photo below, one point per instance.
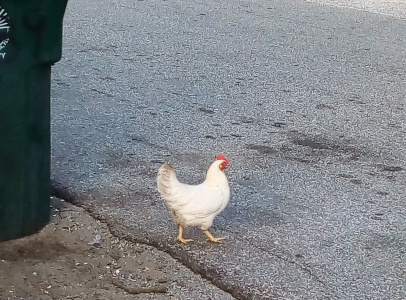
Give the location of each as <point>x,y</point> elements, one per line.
<point>195,205</point>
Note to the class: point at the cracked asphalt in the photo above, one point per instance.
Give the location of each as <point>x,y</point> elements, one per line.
<point>306,100</point>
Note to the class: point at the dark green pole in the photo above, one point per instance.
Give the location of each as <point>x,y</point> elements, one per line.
<point>30,42</point>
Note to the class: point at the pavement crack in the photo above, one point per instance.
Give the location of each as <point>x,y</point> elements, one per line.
<point>119,231</point>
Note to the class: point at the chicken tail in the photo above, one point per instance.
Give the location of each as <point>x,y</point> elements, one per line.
<point>165,180</point>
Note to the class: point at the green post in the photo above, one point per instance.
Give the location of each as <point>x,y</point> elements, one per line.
<point>30,42</point>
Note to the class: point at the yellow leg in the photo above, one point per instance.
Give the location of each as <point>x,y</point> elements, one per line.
<point>212,238</point>
<point>180,236</point>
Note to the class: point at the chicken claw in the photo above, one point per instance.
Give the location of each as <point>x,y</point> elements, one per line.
<point>184,241</point>
<point>212,238</point>
<point>180,236</point>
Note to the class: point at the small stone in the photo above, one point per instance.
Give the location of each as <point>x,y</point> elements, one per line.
<point>115,254</point>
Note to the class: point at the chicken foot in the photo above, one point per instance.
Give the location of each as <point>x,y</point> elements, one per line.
<point>212,238</point>
<point>180,236</point>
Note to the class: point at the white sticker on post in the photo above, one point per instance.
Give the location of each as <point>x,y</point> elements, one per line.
<point>4,32</point>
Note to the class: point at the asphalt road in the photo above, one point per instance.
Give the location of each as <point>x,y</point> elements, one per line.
<point>306,100</point>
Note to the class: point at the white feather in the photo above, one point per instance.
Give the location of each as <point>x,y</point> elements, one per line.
<point>195,205</point>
